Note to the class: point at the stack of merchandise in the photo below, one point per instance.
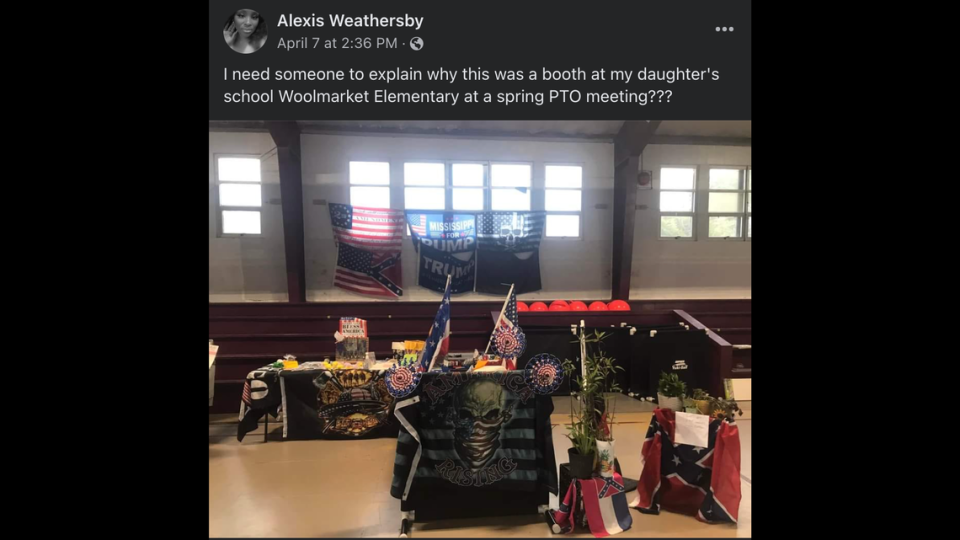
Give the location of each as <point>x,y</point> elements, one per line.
<point>352,341</point>
<point>412,349</point>
<point>459,361</point>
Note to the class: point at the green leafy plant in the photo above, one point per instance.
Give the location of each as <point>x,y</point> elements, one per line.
<point>700,395</point>
<point>588,422</point>
<point>724,408</point>
<point>671,386</point>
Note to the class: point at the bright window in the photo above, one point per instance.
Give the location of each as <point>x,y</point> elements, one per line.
<point>240,194</point>
<point>370,184</point>
<point>510,186</point>
<point>424,186</point>
<point>677,199</point>
<point>467,182</point>
<point>563,200</point>
<point>727,203</point>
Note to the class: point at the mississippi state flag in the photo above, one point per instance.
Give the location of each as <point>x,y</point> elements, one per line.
<point>604,503</point>
<point>701,482</point>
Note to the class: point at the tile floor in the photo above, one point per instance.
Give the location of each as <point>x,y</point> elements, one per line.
<point>341,488</point>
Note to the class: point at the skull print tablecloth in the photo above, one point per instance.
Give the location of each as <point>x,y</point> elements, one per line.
<point>472,445</point>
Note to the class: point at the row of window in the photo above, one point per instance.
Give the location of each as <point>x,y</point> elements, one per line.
<point>728,202</point>
<point>462,186</point>
<point>474,187</point>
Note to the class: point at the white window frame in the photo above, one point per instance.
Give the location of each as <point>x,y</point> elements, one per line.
<point>490,187</point>
<point>742,214</point>
<point>485,188</point>
<point>388,185</point>
<point>580,236</point>
<point>693,213</point>
<point>448,186</point>
<point>447,196</point>
<point>221,208</point>
<point>748,214</point>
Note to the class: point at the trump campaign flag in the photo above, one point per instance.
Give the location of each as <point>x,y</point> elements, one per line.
<point>447,245</point>
<point>369,241</point>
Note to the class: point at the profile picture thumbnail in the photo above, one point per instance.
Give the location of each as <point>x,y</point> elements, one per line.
<point>245,31</point>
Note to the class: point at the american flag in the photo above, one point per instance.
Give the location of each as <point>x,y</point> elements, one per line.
<point>246,398</point>
<point>369,242</point>
<point>510,231</point>
<point>439,341</point>
<point>418,224</point>
<point>508,316</point>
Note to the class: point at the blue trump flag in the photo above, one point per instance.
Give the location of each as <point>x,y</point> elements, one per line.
<point>447,245</point>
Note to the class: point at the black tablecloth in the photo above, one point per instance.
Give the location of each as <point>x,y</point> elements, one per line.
<point>340,404</point>
<point>261,395</point>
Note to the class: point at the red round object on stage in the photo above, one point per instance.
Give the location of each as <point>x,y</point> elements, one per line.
<point>559,305</point>
<point>522,306</point>
<point>538,306</point>
<point>577,305</point>
<point>618,305</point>
<point>598,306</point>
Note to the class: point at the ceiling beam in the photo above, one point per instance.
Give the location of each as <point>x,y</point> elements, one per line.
<point>697,140</point>
<point>242,127</point>
<point>624,218</point>
<point>468,133</point>
<point>286,135</point>
<point>633,138</point>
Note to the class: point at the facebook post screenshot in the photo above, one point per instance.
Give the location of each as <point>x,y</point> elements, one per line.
<point>480,269</point>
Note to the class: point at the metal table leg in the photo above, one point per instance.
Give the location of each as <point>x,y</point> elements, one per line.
<point>406,524</point>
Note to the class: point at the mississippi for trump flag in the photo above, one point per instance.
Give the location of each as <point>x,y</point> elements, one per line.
<point>447,244</point>
<point>701,482</point>
<point>369,242</point>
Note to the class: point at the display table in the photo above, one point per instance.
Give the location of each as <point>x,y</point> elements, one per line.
<point>474,445</point>
<point>317,403</point>
<point>701,482</point>
<point>340,404</point>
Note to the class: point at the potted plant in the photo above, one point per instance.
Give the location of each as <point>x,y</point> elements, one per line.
<point>724,408</point>
<point>701,401</point>
<point>591,414</point>
<point>606,450</point>
<point>670,392</point>
<point>581,454</point>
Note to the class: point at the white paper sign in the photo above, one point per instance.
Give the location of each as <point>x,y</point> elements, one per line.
<point>338,336</point>
<point>692,429</point>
